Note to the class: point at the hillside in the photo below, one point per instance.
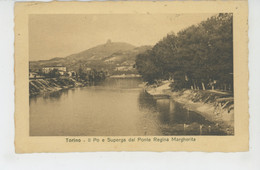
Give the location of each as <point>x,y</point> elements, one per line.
<point>101,51</point>
<point>124,57</point>
<point>106,56</point>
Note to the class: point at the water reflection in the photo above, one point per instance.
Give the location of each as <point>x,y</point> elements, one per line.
<point>174,119</point>
<point>52,96</point>
<point>120,83</point>
<point>146,101</point>
<point>115,107</point>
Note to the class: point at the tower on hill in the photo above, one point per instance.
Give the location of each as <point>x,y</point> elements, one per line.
<point>109,41</point>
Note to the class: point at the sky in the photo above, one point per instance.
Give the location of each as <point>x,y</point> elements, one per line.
<point>59,35</point>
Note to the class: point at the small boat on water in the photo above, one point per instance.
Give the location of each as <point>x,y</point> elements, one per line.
<point>161,96</point>
<point>158,95</point>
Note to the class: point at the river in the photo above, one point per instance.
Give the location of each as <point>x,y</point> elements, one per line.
<point>115,107</point>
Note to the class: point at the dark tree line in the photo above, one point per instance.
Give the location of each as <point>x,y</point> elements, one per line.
<point>198,57</point>
<point>90,76</point>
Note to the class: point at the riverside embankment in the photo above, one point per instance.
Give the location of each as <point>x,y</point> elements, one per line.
<point>38,86</point>
<point>215,106</point>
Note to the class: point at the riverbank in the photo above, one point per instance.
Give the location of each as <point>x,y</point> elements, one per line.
<point>38,86</point>
<point>215,106</point>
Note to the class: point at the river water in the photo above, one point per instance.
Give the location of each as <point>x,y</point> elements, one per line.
<point>115,107</point>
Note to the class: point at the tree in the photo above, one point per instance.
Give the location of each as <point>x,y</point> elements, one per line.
<point>54,73</point>
<point>197,56</point>
<point>81,74</point>
<point>145,65</point>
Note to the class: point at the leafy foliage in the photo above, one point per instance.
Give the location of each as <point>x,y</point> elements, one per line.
<point>200,56</point>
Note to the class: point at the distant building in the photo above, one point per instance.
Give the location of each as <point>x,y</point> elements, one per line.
<point>48,69</point>
<point>124,68</point>
<point>71,73</point>
<point>32,75</point>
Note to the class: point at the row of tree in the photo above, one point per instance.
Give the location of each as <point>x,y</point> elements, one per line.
<point>198,57</point>
<point>91,76</point>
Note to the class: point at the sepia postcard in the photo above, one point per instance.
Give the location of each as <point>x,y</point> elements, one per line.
<point>131,76</point>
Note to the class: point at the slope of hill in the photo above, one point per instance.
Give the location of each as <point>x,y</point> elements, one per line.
<point>123,57</point>
<point>107,57</point>
<point>101,51</point>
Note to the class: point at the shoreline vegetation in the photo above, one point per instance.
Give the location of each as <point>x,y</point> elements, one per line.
<point>198,57</point>
<point>195,68</point>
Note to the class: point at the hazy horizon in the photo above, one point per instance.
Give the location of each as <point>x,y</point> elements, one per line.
<point>60,35</point>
